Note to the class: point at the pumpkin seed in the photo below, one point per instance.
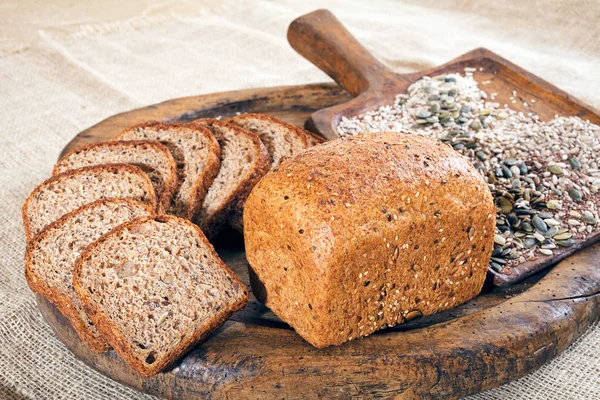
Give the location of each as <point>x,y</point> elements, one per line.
<point>575,194</point>
<point>563,236</point>
<point>539,224</point>
<point>499,240</point>
<point>566,243</point>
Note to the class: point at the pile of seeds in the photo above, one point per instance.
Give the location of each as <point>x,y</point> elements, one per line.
<point>545,177</point>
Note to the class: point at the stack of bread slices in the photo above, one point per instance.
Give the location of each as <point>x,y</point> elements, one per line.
<point>117,237</point>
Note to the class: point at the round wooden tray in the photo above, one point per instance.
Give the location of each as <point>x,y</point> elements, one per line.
<point>498,337</point>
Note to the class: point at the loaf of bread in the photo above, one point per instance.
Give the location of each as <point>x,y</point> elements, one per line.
<point>68,191</point>
<point>356,235</point>
<point>153,288</point>
<point>152,157</point>
<point>244,160</point>
<point>197,154</point>
<point>50,257</point>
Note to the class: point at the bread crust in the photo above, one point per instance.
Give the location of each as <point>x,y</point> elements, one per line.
<point>236,199</point>
<point>307,138</point>
<point>213,162</point>
<point>164,190</point>
<point>36,283</point>
<point>111,332</point>
<point>109,167</point>
<point>355,235</point>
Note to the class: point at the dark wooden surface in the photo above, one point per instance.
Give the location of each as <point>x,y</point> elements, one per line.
<point>324,41</point>
<point>499,336</point>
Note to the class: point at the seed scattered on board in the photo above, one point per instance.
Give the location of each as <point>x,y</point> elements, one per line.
<point>545,176</point>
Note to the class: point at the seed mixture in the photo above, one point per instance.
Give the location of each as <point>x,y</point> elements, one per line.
<point>544,176</point>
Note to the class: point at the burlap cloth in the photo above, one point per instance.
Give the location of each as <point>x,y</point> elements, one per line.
<point>67,65</point>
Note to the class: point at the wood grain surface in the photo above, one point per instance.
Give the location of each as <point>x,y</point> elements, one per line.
<point>497,337</point>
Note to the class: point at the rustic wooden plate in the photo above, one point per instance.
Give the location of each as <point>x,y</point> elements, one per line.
<point>498,337</point>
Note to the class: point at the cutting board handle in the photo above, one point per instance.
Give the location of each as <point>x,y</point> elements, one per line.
<point>322,39</point>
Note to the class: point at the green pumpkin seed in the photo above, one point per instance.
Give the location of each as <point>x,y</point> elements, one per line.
<point>566,243</point>
<point>575,194</point>
<point>551,231</point>
<point>589,220</point>
<point>575,163</point>
<point>563,236</point>
<point>556,169</point>
<point>539,224</point>
<point>499,240</point>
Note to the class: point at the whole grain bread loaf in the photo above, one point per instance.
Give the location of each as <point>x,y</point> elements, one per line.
<point>154,287</point>
<point>197,154</point>
<point>50,257</point>
<point>244,160</point>
<point>152,157</point>
<point>356,235</point>
<point>68,191</point>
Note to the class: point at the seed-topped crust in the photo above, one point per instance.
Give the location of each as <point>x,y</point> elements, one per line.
<point>281,140</point>
<point>152,157</point>
<point>197,154</point>
<point>355,235</point>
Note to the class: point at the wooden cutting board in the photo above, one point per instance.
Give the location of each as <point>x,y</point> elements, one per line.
<point>501,335</point>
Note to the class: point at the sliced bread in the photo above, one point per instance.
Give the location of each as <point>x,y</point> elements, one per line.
<point>198,157</point>
<point>152,157</point>
<point>155,287</point>
<point>244,160</point>
<point>50,257</point>
<point>280,138</point>
<point>68,191</point>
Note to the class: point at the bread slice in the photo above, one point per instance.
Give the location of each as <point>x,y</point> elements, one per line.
<point>155,287</point>
<point>50,257</point>
<point>280,138</point>
<point>68,191</point>
<point>150,156</point>
<point>244,160</point>
<point>198,157</point>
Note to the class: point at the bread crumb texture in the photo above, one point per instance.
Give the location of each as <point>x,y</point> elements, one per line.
<point>154,288</point>
<point>70,190</point>
<point>360,234</point>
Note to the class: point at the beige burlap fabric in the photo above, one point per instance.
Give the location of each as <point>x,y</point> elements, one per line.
<point>65,65</point>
